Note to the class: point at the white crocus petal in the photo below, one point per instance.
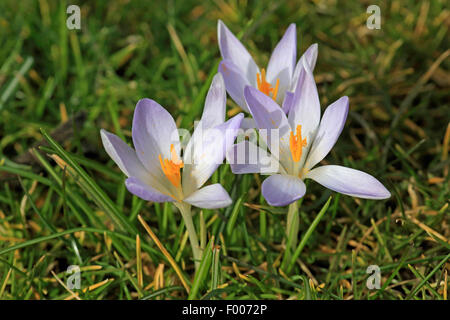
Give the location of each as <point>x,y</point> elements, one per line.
<point>282,62</point>
<point>232,49</point>
<point>305,109</point>
<point>349,181</point>
<point>247,157</point>
<point>248,123</point>
<point>210,197</point>
<point>235,82</point>
<point>287,102</point>
<point>123,155</point>
<point>206,151</point>
<point>272,122</point>
<point>153,131</point>
<point>311,57</point>
<point>214,110</point>
<point>127,160</point>
<point>145,191</point>
<point>330,128</point>
<point>280,190</point>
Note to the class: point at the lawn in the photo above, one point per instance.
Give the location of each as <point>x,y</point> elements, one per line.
<point>63,201</point>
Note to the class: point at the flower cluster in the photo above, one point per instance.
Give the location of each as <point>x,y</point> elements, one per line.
<point>284,104</point>
<point>157,172</point>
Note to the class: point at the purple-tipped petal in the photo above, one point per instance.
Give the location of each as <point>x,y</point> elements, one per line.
<point>248,123</point>
<point>235,82</point>
<point>247,157</point>
<point>287,102</point>
<point>305,108</point>
<point>214,110</point>
<point>206,151</point>
<point>266,112</point>
<point>311,57</point>
<point>282,62</point>
<point>280,190</point>
<point>144,191</point>
<point>124,156</point>
<point>213,196</point>
<point>349,181</point>
<point>153,132</point>
<point>272,122</point>
<point>232,49</point>
<point>330,128</point>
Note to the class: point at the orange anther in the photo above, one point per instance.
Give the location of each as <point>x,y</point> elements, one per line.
<point>265,87</point>
<point>296,144</point>
<point>171,168</point>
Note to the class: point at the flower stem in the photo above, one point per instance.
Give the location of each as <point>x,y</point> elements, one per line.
<point>292,224</point>
<point>185,210</point>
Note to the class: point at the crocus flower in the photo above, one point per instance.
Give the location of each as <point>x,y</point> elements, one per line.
<point>304,140</point>
<point>157,172</point>
<point>154,168</point>
<point>240,70</point>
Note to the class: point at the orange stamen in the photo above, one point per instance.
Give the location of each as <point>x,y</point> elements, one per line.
<point>296,144</point>
<point>275,91</point>
<point>265,87</point>
<point>171,168</point>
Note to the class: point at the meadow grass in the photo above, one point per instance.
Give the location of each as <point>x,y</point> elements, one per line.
<point>63,201</point>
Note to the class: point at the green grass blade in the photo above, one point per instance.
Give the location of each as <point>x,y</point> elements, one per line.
<point>92,189</point>
<point>203,270</point>
<point>308,233</point>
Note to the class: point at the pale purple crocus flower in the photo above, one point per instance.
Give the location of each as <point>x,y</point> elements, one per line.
<point>154,168</point>
<point>304,140</point>
<point>279,82</point>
